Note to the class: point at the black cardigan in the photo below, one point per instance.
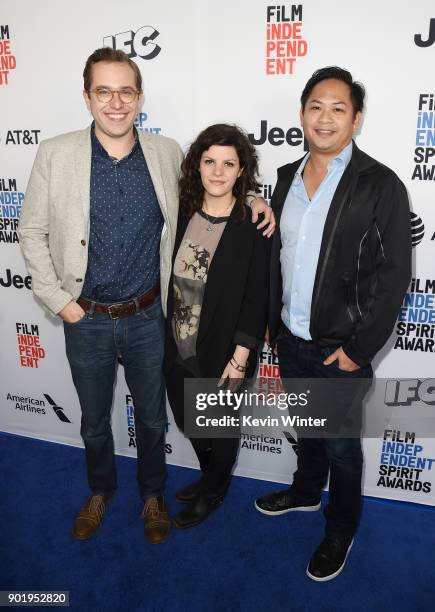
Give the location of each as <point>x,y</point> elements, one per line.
<point>234,308</point>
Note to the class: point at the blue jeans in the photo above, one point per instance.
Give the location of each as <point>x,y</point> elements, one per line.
<point>340,457</point>
<point>93,346</point>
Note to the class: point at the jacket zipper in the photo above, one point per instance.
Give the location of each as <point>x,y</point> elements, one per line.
<point>346,199</point>
<point>351,317</point>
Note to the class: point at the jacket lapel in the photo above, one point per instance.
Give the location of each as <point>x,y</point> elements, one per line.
<point>154,167</point>
<point>82,162</point>
<point>285,179</point>
<point>182,224</point>
<point>181,229</point>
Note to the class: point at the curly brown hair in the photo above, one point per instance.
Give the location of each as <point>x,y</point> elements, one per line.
<point>191,188</point>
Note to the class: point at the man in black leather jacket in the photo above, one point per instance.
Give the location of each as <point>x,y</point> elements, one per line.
<point>340,265</point>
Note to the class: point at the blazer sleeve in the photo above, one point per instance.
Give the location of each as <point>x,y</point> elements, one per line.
<point>33,231</point>
<point>253,313</point>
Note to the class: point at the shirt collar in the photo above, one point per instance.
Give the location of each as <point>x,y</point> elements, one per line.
<point>99,151</point>
<point>298,175</point>
<point>342,158</point>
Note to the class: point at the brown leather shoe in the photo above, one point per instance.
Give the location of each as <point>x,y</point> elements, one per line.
<point>90,517</point>
<point>157,521</point>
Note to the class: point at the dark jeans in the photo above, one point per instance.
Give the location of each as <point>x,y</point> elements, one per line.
<point>93,346</point>
<point>341,457</point>
<point>216,456</point>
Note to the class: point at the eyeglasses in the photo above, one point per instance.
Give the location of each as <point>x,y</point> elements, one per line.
<point>105,95</point>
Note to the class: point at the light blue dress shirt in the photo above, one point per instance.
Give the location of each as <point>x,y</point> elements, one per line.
<point>301,225</point>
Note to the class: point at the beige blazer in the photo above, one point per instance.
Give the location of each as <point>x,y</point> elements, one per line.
<point>54,222</point>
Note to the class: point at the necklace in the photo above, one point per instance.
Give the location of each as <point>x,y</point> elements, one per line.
<point>211,222</point>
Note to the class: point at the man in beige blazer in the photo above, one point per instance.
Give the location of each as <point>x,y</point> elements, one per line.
<point>97,231</point>
<point>87,232</point>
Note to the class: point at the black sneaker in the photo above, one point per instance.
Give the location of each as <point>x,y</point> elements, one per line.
<point>282,502</point>
<point>330,558</point>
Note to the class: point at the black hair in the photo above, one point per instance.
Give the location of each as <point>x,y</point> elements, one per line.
<point>357,91</point>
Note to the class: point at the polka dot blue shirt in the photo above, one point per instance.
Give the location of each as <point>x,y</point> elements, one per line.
<point>125,227</point>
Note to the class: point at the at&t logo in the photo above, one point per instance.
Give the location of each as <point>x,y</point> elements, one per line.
<point>417,229</point>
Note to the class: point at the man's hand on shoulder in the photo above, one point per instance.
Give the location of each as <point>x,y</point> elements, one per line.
<point>344,362</point>
<point>71,313</point>
<point>258,206</point>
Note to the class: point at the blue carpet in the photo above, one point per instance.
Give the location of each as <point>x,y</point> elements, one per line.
<point>237,560</point>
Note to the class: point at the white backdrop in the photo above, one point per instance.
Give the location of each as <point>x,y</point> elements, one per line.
<point>211,62</point>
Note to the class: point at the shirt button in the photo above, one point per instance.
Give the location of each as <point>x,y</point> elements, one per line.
<point>83,242</point>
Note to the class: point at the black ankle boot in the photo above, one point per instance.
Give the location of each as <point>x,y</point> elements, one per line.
<point>203,455</point>
<point>188,494</point>
<point>198,510</point>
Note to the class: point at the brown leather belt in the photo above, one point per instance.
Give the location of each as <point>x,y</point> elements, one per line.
<point>121,309</point>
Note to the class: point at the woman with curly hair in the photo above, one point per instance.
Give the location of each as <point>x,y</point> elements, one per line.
<point>218,296</point>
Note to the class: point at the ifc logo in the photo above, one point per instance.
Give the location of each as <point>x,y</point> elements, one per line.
<point>417,229</point>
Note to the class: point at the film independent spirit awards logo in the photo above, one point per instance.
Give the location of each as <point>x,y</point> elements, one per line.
<point>8,61</point>
<point>285,42</point>
<point>268,381</point>
<point>11,201</point>
<point>403,461</point>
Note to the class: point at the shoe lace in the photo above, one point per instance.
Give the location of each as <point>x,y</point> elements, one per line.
<point>151,507</point>
<point>96,506</point>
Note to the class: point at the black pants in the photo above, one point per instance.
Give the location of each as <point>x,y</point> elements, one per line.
<point>340,457</point>
<point>216,456</point>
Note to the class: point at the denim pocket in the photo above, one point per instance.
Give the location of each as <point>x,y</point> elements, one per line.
<point>84,317</point>
<point>152,312</point>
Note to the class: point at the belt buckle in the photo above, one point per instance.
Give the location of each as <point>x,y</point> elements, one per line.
<point>109,310</point>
